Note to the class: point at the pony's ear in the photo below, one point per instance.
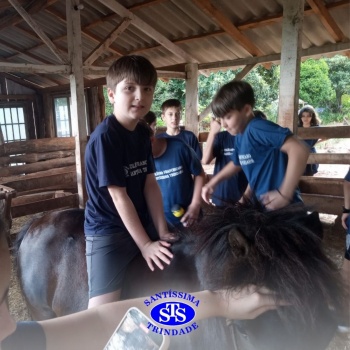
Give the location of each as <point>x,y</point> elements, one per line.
<point>238,243</point>
<point>313,223</point>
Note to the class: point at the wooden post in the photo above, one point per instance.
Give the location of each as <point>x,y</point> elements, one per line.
<point>77,93</point>
<point>191,108</point>
<point>292,24</point>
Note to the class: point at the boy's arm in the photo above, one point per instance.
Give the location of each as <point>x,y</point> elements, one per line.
<point>193,210</point>
<point>346,203</point>
<point>298,154</point>
<point>151,251</point>
<point>154,202</point>
<point>225,173</point>
<point>247,194</point>
<point>208,155</point>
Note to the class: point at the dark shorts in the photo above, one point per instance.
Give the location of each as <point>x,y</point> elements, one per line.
<point>107,258</point>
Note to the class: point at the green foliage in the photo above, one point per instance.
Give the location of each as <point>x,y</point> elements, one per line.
<point>108,105</point>
<point>323,83</point>
<point>345,102</point>
<point>339,74</point>
<point>329,117</point>
<point>315,85</point>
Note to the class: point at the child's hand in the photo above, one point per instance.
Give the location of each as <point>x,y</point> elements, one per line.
<point>207,191</point>
<point>156,252</point>
<point>274,200</point>
<point>191,215</point>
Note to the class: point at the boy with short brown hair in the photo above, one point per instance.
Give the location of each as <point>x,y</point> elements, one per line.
<point>272,158</point>
<point>171,115</point>
<point>124,212</point>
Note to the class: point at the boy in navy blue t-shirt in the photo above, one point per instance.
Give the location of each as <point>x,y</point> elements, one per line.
<point>181,177</point>
<point>171,115</point>
<point>124,196</point>
<point>272,159</point>
<point>220,145</point>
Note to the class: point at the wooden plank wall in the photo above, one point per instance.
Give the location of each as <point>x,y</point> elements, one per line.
<point>42,172</point>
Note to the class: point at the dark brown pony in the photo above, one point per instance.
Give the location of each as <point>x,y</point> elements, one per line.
<point>231,247</point>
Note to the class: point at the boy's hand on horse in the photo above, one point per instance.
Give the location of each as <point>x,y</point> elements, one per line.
<point>156,252</point>
<point>273,200</point>
<point>207,191</point>
<point>191,215</point>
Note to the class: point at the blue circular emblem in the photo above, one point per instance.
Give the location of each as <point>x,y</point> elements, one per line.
<point>172,313</point>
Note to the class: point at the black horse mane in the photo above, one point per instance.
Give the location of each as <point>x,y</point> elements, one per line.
<point>240,245</point>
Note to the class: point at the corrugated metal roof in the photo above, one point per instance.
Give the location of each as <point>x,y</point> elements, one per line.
<point>183,22</point>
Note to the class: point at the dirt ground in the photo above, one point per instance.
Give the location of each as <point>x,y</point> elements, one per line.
<point>334,240</point>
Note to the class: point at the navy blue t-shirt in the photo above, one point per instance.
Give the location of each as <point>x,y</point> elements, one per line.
<point>233,188</point>
<point>347,176</point>
<point>174,170</point>
<point>120,157</point>
<point>257,151</point>
<point>188,137</point>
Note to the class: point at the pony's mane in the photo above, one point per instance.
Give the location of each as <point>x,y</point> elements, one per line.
<point>239,245</point>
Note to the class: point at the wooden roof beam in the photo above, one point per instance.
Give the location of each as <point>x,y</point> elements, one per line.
<point>251,24</point>
<point>147,29</point>
<point>21,81</point>
<point>8,67</point>
<point>112,16</point>
<point>19,53</point>
<point>313,51</point>
<point>227,25</point>
<point>32,23</point>
<point>35,7</point>
<point>327,20</point>
<point>87,34</point>
<point>112,36</point>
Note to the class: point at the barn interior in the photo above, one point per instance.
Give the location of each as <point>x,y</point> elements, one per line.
<point>54,55</point>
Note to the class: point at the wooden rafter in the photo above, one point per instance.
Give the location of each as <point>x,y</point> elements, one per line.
<point>21,81</point>
<point>327,20</point>
<point>226,24</point>
<point>32,23</point>
<point>338,47</point>
<point>131,8</point>
<point>27,55</point>
<point>251,24</point>
<point>34,68</point>
<point>35,7</point>
<point>112,36</point>
<point>84,32</point>
<point>147,29</point>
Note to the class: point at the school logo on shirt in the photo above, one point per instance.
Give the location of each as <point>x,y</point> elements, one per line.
<point>135,168</point>
<point>168,173</point>
<point>228,151</point>
<point>246,159</point>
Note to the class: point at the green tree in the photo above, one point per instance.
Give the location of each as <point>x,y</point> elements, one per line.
<point>315,85</point>
<point>108,105</point>
<point>339,75</point>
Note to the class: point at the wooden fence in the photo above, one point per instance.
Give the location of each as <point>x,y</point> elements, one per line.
<point>42,172</point>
